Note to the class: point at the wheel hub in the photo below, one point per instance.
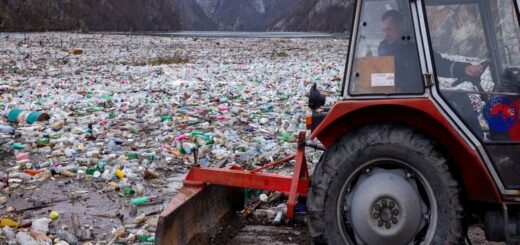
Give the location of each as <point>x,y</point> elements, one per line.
<point>385,212</point>
<point>385,207</point>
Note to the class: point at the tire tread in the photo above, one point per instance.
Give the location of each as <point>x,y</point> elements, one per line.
<point>372,135</point>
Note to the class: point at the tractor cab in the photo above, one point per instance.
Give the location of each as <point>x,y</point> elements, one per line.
<point>429,125</point>
<point>462,54</point>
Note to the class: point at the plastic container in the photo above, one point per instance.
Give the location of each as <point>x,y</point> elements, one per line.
<point>19,115</point>
<point>4,129</point>
<point>41,224</point>
<point>18,146</point>
<point>128,191</point>
<point>144,200</point>
<point>145,238</point>
<point>119,174</point>
<point>8,222</point>
<point>54,215</point>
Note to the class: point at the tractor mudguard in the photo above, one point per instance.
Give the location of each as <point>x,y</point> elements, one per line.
<point>422,114</point>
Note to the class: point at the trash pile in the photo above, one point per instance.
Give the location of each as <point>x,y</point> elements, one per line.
<point>97,131</point>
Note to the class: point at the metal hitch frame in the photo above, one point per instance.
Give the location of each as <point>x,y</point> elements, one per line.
<point>210,193</point>
<point>293,186</point>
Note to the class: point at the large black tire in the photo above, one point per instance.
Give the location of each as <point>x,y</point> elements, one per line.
<point>385,140</point>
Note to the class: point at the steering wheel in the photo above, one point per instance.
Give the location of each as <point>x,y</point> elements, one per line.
<point>475,80</point>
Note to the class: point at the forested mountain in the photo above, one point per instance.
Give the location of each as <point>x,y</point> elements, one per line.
<point>174,15</point>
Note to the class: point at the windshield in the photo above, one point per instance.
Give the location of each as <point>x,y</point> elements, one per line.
<point>385,51</point>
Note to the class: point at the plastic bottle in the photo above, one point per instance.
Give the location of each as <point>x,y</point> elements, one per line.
<point>145,238</point>
<point>43,141</point>
<point>18,146</point>
<point>8,222</point>
<point>112,146</point>
<point>101,165</point>
<point>128,191</point>
<point>139,189</point>
<point>132,155</point>
<point>144,200</point>
<point>280,212</point>
<point>4,129</point>
<point>119,174</point>
<point>106,175</point>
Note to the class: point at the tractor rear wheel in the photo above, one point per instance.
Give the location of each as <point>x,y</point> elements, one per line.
<point>384,184</point>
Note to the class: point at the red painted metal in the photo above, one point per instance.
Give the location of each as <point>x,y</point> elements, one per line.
<point>294,186</point>
<point>300,172</point>
<point>270,165</point>
<point>245,179</point>
<point>422,114</point>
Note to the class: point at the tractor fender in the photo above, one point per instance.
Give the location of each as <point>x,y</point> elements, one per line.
<point>422,114</point>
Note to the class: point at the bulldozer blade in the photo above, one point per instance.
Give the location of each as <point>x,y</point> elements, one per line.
<point>194,213</point>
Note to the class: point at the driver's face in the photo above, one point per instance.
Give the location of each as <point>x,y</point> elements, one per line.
<point>393,30</point>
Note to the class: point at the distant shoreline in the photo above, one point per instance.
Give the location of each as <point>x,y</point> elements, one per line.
<point>239,34</point>
<point>209,34</point>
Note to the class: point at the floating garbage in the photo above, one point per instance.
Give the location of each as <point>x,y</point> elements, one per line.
<point>41,224</point>
<point>106,125</point>
<point>54,215</point>
<point>8,222</point>
<point>76,51</point>
<point>21,116</point>
<point>5,129</point>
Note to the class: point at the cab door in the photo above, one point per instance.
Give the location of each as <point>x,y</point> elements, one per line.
<point>475,48</point>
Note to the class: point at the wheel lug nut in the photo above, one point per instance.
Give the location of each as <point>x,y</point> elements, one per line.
<point>394,220</point>
<point>388,225</point>
<point>391,204</point>
<point>376,216</point>
<point>383,203</point>
<point>377,207</point>
<point>395,211</point>
<point>380,223</point>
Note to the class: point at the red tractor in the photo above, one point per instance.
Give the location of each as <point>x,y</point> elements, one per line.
<point>424,142</point>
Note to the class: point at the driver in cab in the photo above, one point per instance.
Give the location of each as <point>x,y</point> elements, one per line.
<point>398,43</point>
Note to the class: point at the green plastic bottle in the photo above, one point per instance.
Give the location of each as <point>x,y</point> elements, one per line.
<point>18,146</point>
<point>101,165</point>
<point>128,191</point>
<point>43,141</point>
<point>139,201</point>
<point>132,155</point>
<point>90,171</point>
<point>166,118</point>
<point>196,133</point>
<point>145,238</point>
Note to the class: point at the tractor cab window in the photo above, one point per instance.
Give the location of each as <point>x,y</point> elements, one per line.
<point>476,56</point>
<point>385,52</point>
<point>477,62</point>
